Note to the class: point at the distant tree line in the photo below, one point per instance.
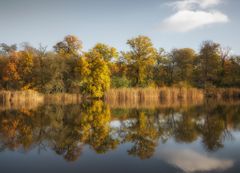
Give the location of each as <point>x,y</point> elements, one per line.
<point>70,69</point>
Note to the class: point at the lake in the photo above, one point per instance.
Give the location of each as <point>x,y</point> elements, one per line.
<point>97,137</point>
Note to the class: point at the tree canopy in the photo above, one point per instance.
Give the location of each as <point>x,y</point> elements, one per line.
<point>67,68</point>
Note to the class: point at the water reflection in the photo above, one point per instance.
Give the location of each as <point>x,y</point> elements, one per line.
<point>67,129</point>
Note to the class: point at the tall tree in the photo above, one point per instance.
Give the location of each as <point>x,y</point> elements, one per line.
<point>209,64</point>
<point>11,75</point>
<point>184,64</point>
<point>26,68</point>
<point>70,49</point>
<point>108,53</point>
<point>140,60</point>
<point>70,46</point>
<point>97,79</point>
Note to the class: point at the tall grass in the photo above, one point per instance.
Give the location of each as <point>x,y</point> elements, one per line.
<point>30,99</point>
<point>153,97</point>
<point>124,97</point>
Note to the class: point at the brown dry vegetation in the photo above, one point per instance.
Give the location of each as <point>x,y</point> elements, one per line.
<point>124,97</point>
<point>153,97</point>
<point>31,99</point>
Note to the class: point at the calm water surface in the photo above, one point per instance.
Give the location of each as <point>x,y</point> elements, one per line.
<point>91,137</point>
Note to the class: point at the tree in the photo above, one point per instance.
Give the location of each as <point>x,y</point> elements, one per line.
<point>26,68</point>
<point>82,73</point>
<point>108,53</point>
<point>7,49</point>
<point>140,60</point>
<point>70,46</point>
<point>224,55</point>
<point>163,69</point>
<point>231,76</point>
<point>209,64</point>
<point>70,49</point>
<point>3,63</point>
<point>96,78</point>
<point>184,64</point>
<point>11,74</point>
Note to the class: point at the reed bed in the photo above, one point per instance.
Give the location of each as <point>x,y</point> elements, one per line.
<point>124,97</point>
<point>30,99</point>
<point>153,97</point>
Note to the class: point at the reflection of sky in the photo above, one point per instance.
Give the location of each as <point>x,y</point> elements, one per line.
<point>193,158</point>
<point>189,160</point>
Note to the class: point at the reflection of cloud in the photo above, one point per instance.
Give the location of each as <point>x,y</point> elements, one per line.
<point>115,124</point>
<point>126,123</point>
<point>191,161</point>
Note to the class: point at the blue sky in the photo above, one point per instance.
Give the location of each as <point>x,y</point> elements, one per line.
<point>169,23</point>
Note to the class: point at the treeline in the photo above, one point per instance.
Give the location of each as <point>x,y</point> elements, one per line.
<point>70,69</point>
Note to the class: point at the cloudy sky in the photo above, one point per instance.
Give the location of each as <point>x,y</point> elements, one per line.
<point>169,23</point>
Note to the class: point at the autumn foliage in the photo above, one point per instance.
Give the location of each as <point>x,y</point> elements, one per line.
<point>68,68</point>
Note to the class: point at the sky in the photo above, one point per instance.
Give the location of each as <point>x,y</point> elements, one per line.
<point>169,23</point>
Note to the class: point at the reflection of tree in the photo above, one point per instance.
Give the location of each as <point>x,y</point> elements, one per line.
<point>16,130</point>
<point>90,126</point>
<point>212,131</point>
<point>95,125</point>
<point>144,134</point>
<point>214,127</point>
<point>186,130</point>
<point>66,129</point>
<point>63,128</point>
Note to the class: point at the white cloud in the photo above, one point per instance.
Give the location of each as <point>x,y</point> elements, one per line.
<point>192,161</point>
<point>186,20</point>
<point>193,14</point>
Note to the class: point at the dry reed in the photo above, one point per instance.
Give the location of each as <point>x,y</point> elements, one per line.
<point>124,97</point>
<point>153,97</point>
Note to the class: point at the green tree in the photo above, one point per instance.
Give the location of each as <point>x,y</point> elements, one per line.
<point>140,60</point>
<point>209,65</point>
<point>163,69</point>
<point>184,64</point>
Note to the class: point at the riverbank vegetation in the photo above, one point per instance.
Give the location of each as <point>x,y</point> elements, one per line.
<point>69,69</point>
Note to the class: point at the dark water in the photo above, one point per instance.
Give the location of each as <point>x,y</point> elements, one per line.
<point>91,137</point>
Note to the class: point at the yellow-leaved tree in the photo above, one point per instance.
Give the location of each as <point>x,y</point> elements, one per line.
<point>99,78</point>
